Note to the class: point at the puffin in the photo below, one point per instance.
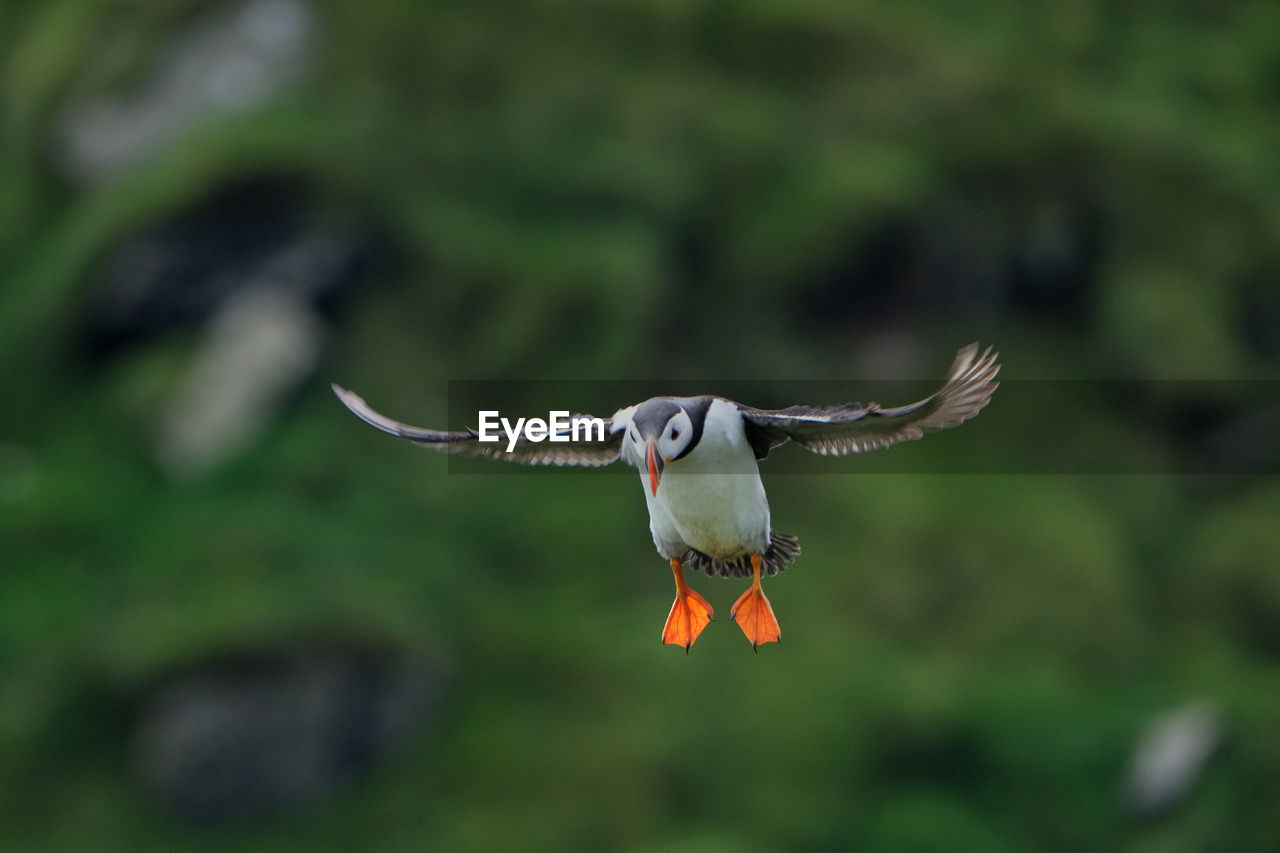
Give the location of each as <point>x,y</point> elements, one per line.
<point>698,463</point>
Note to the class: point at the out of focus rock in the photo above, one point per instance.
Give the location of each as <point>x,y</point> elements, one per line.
<point>262,344</point>
<point>1259,312</point>
<point>1247,442</point>
<point>965,256</point>
<point>1171,755</point>
<point>1222,430</point>
<point>258,267</point>
<point>226,62</point>
<point>260,232</point>
<point>1052,260</point>
<point>255,735</point>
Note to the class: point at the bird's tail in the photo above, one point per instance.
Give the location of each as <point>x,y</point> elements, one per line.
<point>782,552</point>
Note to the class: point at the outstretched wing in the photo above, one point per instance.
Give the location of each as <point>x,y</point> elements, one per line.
<point>587,451</point>
<point>853,427</point>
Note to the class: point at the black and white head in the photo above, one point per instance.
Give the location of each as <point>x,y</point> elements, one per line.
<point>662,430</point>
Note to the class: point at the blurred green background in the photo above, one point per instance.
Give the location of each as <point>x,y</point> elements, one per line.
<point>200,629</point>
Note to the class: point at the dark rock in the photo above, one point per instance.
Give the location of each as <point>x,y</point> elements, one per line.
<point>1259,313</point>
<point>256,734</point>
<point>964,255</point>
<point>266,231</point>
<point>258,267</point>
<point>1221,429</point>
<point>1053,261</point>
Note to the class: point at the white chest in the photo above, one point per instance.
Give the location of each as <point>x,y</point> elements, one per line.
<point>712,499</point>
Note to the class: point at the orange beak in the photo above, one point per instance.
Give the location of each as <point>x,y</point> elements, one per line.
<point>655,470</point>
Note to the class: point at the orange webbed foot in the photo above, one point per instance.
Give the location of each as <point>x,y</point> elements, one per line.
<point>690,613</point>
<point>754,614</point>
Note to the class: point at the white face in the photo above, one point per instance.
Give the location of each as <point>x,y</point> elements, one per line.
<point>676,436</point>
<point>674,439</point>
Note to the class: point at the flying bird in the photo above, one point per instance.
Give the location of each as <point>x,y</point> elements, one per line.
<point>697,458</point>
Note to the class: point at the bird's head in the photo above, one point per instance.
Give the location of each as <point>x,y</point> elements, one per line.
<point>661,431</point>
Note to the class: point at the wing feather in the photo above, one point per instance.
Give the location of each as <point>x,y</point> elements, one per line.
<point>854,428</point>
<point>590,453</point>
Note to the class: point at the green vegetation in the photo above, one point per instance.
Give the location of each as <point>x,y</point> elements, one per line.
<point>573,189</point>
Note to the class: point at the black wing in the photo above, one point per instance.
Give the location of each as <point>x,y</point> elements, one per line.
<point>853,427</point>
<point>587,451</point>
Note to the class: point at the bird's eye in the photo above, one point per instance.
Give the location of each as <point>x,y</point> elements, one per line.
<point>675,433</point>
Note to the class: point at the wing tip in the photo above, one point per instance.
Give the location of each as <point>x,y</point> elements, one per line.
<point>350,399</point>
<point>972,382</point>
<point>362,410</point>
